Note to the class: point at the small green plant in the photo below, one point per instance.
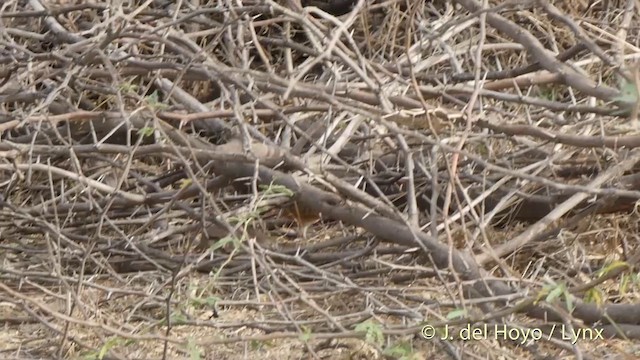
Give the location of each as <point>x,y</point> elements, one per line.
<point>210,301</point>
<point>551,292</point>
<point>177,318</point>
<point>272,189</point>
<point>128,87</point>
<point>154,102</point>
<point>401,351</point>
<point>457,314</point>
<point>146,131</point>
<point>194,351</point>
<point>615,265</point>
<point>183,183</point>
<point>224,241</point>
<point>89,355</point>
<point>627,281</point>
<point>373,332</point>
<point>548,93</point>
<point>594,296</point>
<point>244,221</point>
<point>628,92</point>
<point>306,334</point>
<point>111,343</point>
<point>256,345</point>
<point>627,100</point>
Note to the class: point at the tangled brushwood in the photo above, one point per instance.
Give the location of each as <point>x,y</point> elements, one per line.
<point>326,179</point>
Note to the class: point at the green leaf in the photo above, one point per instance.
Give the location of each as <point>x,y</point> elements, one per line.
<point>108,345</point>
<point>128,87</point>
<point>146,131</point>
<point>457,314</point>
<point>542,294</point>
<point>154,102</point>
<point>568,297</point>
<point>222,242</point>
<point>276,189</point>
<point>625,281</point>
<point>306,335</point>
<point>373,332</point>
<point>613,266</point>
<point>628,93</point>
<point>594,296</point>
<point>555,293</point>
